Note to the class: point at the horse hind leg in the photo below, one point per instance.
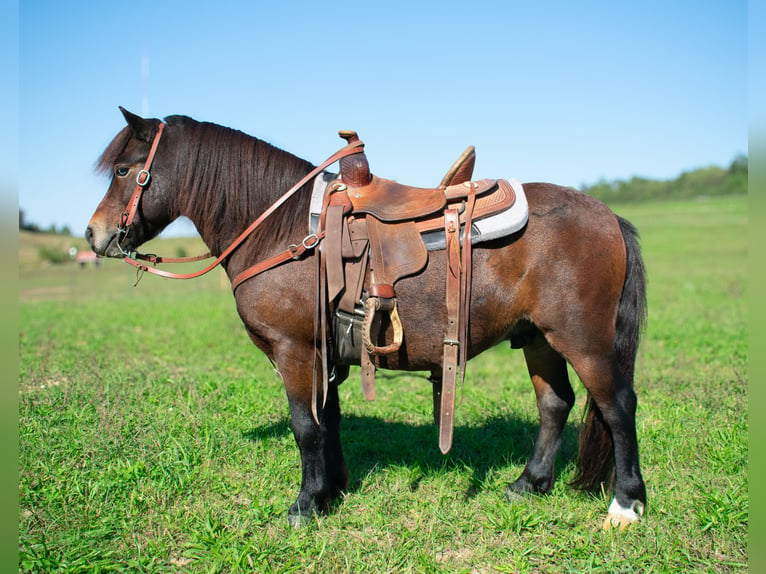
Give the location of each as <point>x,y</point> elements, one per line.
<point>555,398</point>
<point>610,421</point>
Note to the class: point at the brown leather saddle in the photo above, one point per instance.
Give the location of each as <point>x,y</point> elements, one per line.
<point>374,236</point>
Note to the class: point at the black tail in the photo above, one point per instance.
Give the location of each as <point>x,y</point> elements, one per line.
<point>596,457</point>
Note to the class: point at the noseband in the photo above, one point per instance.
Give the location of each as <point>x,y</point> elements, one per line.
<point>292,252</point>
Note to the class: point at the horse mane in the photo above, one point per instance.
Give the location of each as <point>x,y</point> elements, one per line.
<point>229,178</point>
<point>226,179</point>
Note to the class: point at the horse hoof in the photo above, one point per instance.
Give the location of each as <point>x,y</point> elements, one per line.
<point>620,517</point>
<point>515,497</point>
<point>297,520</point>
<point>521,489</point>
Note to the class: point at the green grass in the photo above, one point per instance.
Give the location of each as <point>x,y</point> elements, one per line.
<point>154,437</point>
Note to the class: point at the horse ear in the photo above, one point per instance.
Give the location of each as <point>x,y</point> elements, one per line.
<point>142,129</point>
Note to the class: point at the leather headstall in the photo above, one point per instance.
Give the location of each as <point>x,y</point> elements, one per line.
<point>142,180</point>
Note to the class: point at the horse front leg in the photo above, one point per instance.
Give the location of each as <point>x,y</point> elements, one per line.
<point>324,474</point>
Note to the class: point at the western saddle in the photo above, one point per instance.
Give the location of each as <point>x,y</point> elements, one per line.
<point>373,237</point>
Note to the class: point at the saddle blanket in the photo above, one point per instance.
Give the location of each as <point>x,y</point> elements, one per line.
<point>493,227</point>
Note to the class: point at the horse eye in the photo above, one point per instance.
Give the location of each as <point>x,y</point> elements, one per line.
<point>121,171</point>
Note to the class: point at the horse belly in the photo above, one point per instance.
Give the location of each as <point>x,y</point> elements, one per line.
<point>423,312</point>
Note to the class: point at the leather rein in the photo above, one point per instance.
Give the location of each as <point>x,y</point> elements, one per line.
<point>293,252</point>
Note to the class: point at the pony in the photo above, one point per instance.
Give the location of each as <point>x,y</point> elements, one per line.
<point>570,287</point>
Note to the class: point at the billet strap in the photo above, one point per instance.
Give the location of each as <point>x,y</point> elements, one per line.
<point>320,335</point>
<point>450,356</point>
<point>458,301</point>
<point>334,228</point>
<point>287,255</point>
<point>465,281</point>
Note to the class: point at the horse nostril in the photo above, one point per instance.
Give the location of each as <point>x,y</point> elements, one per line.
<point>89,236</point>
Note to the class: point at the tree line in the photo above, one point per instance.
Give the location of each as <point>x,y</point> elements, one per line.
<point>26,225</point>
<point>703,182</point>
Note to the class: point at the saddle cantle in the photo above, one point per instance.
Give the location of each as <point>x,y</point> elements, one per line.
<point>378,231</point>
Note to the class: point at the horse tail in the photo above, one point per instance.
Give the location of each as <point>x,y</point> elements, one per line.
<point>596,454</point>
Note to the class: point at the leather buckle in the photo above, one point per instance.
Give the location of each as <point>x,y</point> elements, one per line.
<point>310,241</point>
<point>144,173</point>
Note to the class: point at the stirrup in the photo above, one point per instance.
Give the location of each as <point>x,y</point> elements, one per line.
<point>372,304</point>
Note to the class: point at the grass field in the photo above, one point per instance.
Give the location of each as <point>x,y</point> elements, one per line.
<point>153,437</point>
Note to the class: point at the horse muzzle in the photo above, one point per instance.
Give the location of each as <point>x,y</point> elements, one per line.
<point>107,243</point>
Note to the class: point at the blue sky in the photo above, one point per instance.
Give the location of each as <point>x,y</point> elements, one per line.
<point>567,92</point>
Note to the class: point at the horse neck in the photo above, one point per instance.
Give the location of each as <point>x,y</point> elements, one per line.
<point>229,178</point>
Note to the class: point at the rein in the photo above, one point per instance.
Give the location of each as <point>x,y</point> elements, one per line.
<point>293,252</point>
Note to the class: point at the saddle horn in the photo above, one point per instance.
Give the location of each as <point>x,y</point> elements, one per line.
<point>354,169</point>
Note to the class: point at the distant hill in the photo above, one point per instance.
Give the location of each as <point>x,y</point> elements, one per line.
<point>702,182</point>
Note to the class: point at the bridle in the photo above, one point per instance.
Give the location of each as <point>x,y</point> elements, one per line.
<point>142,180</point>
<point>293,252</point>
